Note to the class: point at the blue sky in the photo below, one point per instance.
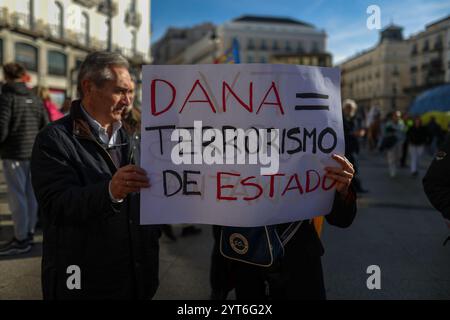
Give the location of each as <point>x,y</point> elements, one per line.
<point>343,20</point>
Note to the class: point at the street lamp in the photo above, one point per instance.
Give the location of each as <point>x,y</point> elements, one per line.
<point>215,41</point>
<point>109,23</point>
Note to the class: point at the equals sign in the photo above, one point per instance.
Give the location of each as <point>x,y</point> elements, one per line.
<point>312,95</point>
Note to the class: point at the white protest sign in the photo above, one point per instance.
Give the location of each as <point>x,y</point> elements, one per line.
<point>239,145</point>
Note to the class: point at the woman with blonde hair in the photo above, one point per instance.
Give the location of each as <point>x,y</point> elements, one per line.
<point>52,110</point>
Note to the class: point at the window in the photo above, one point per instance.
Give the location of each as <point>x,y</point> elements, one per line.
<point>263,45</point>
<point>1,51</point>
<point>395,71</point>
<point>74,71</point>
<point>275,46</point>
<point>133,6</point>
<point>263,60</point>
<point>288,46</point>
<point>57,63</point>
<point>56,19</point>
<point>438,43</point>
<point>84,29</point>
<point>300,47</point>
<point>27,55</point>
<point>78,63</point>
<point>315,47</point>
<point>249,59</point>
<point>24,13</point>
<point>250,44</point>
<point>426,46</point>
<point>394,89</point>
<point>23,6</point>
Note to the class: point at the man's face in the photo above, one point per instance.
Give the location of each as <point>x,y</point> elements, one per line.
<point>110,100</point>
<point>349,111</point>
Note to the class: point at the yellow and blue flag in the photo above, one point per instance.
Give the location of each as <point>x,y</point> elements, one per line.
<point>231,55</point>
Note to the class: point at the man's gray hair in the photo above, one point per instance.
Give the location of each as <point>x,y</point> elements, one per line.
<point>96,68</point>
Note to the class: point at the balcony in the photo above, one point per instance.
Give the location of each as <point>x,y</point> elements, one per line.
<point>137,58</point>
<point>82,39</point>
<point>133,19</point>
<point>97,44</point>
<point>133,56</point>
<point>21,20</point>
<point>104,8</point>
<point>55,31</point>
<point>88,3</point>
<point>438,46</point>
<point>127,53</point>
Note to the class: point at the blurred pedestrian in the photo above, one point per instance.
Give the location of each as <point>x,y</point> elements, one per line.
<point>436,135</point>
<point>352,133</point>
<point>392,140</point>
<point>374,131</point>
<point>65,108</point>
<point>22,115</point>
<point>409,123</point>
<point>417,137</point>
<point>52,110</point>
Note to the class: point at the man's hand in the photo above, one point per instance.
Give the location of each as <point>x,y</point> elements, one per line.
<point>128,179</point>
<point>343,174</point>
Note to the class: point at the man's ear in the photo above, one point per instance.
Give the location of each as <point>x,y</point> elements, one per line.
<point>87,86</point>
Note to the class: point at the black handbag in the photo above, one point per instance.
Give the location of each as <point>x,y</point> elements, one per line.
<point>260,246</point>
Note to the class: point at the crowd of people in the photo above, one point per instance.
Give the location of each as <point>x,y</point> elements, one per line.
<point>401,137</point>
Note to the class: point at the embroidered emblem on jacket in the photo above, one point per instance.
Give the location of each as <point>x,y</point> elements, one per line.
<point>239,243</point>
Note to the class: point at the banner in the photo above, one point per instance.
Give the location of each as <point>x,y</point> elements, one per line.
<point>239,145</point>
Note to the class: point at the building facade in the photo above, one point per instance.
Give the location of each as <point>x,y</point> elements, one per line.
<point>261,37</point>
<point>51,38</point>
<point>395,71</point>
<point>377,77</point>
<point>261,40</point>
<point>429,55</point>
<point>176,40</point>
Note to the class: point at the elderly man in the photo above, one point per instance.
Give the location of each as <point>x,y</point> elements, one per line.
<point>352,134</point>
<point>86,185</point>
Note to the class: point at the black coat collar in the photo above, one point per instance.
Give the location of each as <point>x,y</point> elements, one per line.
<point>82,129</point>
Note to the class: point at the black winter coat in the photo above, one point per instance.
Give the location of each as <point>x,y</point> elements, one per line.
<point>436,182</point>
<point>299,274</point>
<point>22,115</point>
<point>417,136</point>
<point>117,257</point>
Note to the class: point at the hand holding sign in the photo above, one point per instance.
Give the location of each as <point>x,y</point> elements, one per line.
<point>343,174</point>
<point>128,179</point>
